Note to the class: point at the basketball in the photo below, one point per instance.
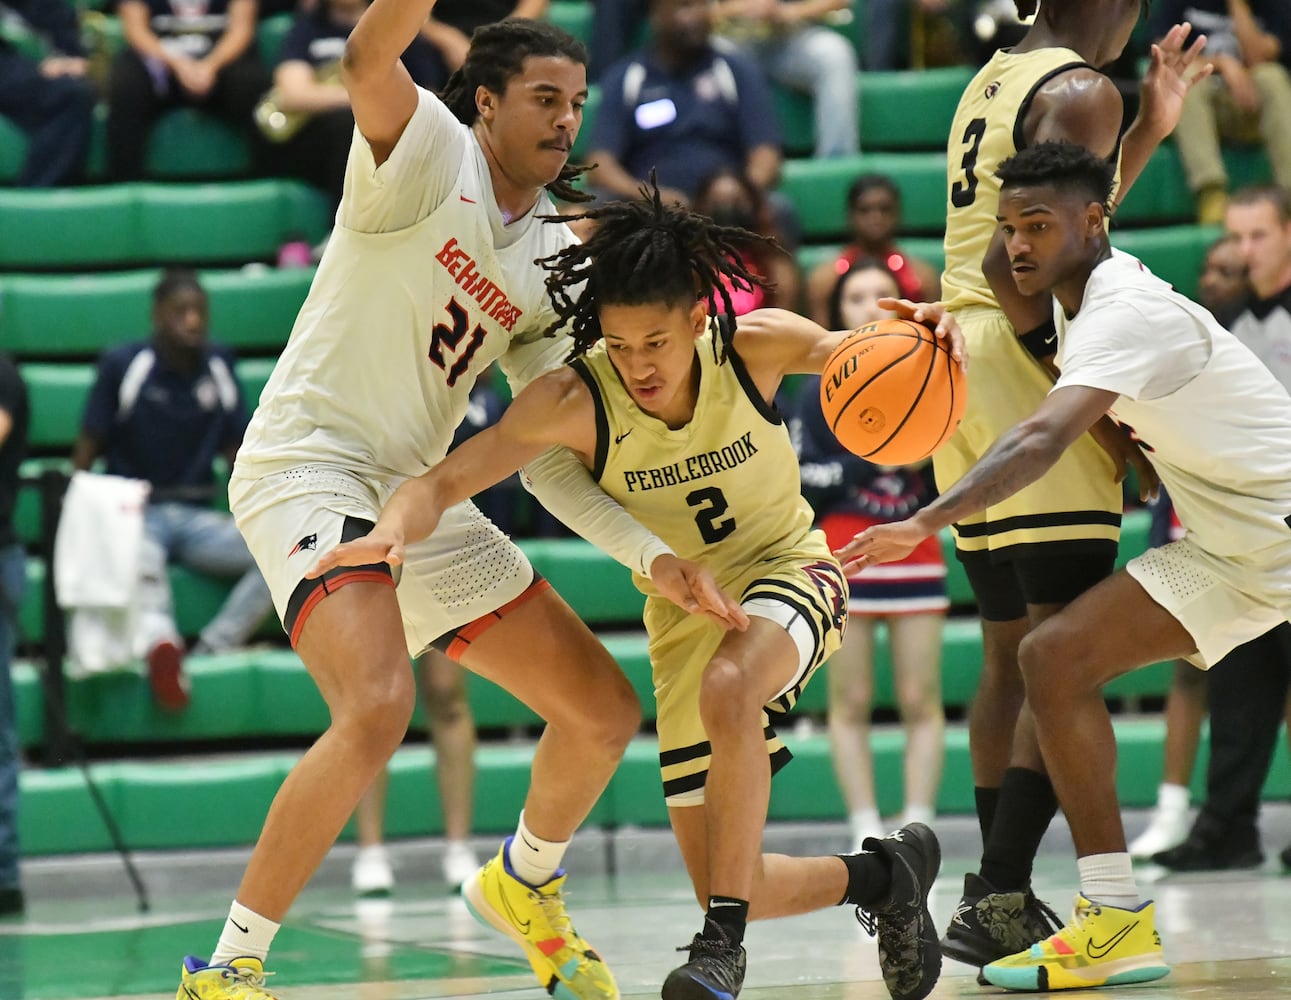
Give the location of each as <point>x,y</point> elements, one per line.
<point>891,393</point>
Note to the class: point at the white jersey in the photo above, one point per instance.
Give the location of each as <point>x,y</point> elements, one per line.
<point>422,286</point>
<point>1215,422</point>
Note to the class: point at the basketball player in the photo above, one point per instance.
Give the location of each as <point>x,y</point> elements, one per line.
<point>1217,427</point>
<point>673,415</point>
<point>1034,552</point>
<point>427,279</point>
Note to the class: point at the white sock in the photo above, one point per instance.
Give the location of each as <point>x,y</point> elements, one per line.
<point>533,859</point>
<point>1173,798</point>
<point>864,821</point>
<point>246,935</point>
<point>918,814</point>
<point>1109,879</point>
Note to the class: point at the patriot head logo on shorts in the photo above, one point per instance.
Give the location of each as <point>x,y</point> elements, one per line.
<point>308,543</point>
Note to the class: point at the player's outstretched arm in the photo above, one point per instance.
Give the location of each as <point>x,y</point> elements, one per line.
<point>773,343</point>
<point>547,413</point>
<point>1017,459</point>
<point>382,93</point>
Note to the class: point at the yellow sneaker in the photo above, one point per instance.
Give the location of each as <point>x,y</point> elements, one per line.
<point>241,979</point>
<point>1101,946</point>
<point>535,918</point>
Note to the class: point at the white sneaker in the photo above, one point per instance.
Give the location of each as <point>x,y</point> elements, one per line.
<point>1168,828</point>
<point>460,863</point>
<point>372,874</point>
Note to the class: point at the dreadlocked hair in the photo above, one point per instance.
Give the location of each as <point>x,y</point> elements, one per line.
<point>497,54</point>
<point>643,251</point>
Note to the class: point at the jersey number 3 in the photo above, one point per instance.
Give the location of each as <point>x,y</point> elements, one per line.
<point>712,505</point>
<point>963,192</point>
<point>445,338</point>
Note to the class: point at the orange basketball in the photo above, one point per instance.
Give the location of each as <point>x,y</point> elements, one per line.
<point>892,393</point>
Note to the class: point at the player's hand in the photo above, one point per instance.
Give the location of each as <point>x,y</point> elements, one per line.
<point>879,544</point>
<point>1172,72</point>
<point>1126,454</point>
<point>380,545</point>
<point>935,315</point>
<point>692,588</point>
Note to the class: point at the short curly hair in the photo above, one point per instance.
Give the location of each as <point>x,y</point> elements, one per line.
<point>1063,165</point>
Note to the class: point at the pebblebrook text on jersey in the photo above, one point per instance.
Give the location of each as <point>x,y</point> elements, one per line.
<point>706,463</point>
<point>477,285</point>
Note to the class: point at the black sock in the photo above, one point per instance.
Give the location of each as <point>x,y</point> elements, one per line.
<point>1026,806</point>
<point>869,878</point>
<point>730,914</point>
<point>987,799</point>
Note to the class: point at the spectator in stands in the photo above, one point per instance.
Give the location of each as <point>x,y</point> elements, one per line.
<point>180,53</point>
<point>848,495</point>
<point>616,26</point>
<point>162,410</point>
<point>795,49</point>
<point>1223,289</point>
<point>452,23</point>
<point>48,98</point>
<point>729,198</point>
<point>1248,699</point>
<point>1248,98</point>
<point>307,115</point>
<point>874,217</point>
<point>452,728</point>
<point>14,419</point>
<point>685,105</point>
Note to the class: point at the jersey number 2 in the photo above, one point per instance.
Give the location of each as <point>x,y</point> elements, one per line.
<point>445,338</point>
<point>963,192</point>
<point>712,505</point>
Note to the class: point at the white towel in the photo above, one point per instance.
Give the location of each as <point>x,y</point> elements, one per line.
<point>96,570</point>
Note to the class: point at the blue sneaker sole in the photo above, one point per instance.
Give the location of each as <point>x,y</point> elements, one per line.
<point>1036,980</point>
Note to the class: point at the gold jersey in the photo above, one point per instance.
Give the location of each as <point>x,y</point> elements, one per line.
<point>722,490</point>
<point>986,131</point>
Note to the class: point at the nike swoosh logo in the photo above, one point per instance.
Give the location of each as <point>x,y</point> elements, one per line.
<point>1101,950</point>
<point>619,437</point>
<point>1050,339</point>
<point>513,917</point>
<point>244,930</point>
<point>466,199</point>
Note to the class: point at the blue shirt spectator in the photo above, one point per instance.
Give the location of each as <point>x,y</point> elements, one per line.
<point>686,106</point>
<point>162,423</point>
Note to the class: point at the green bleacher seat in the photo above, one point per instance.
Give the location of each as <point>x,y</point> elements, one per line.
<point>188,143</point>
<point>911,109</point>
<point>1160,195</point>
<point>124,224</point>
<point>575,16</point>
<point>46,316</point>
<point>67,227</point>
<point>50,315</point>
<point>269,35</point>
<point>13,149</point>
<point>57,394</point>
<point>235,222</point>
<point>57,814</point>
<point>1173,253</point>
<point>818,188</point>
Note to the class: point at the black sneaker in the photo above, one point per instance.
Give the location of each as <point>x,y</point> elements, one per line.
<point>990,925</point>
<point>1200,854</point>
<point>909,954</point>
<point>715,970</point>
